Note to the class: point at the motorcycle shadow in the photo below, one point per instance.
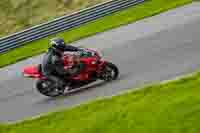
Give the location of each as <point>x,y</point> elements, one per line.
<point>94,85</point>
<point>80,90</point>
<point>86,88</point>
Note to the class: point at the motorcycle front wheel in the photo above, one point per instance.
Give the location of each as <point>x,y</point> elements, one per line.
<point>111,72</point>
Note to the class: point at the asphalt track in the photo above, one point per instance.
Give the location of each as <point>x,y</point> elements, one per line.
<point>154,49</point>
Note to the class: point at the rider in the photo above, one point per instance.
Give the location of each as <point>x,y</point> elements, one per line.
<point>53,64</point>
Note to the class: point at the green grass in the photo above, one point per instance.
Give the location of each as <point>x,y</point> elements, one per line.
<point>149,8</point>
<point>20,14</point>
<point>172,107</point>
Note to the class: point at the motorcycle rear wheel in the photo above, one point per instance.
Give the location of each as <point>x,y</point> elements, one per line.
<point>47,88</point>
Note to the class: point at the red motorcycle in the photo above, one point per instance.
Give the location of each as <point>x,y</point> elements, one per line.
<point>96,69</point>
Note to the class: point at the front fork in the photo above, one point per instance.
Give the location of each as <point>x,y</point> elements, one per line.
<point>101,69</point>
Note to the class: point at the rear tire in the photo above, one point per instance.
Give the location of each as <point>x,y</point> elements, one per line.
<point>47,88</point>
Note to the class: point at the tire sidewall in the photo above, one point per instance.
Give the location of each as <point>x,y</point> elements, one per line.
<point>40,89</point>
<point>114,68</point>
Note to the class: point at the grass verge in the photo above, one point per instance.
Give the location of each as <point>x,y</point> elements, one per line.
<point>172,107</point>
<point>149,8</point>
<point>17,15</point>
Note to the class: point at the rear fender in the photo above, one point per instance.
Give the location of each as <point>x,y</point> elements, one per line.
<point>32,71</point>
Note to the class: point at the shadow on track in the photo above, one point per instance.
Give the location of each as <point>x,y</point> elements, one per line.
<point>84,89</point>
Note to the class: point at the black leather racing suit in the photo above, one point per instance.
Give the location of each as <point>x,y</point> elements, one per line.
<point>53,67</point>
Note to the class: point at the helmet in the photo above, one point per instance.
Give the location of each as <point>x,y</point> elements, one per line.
<point>58,44</point>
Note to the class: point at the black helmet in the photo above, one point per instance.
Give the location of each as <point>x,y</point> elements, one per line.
<point>58,44</point>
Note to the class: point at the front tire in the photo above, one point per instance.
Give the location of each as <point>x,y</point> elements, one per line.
<point>111,72</point>
<point>47,88</point>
